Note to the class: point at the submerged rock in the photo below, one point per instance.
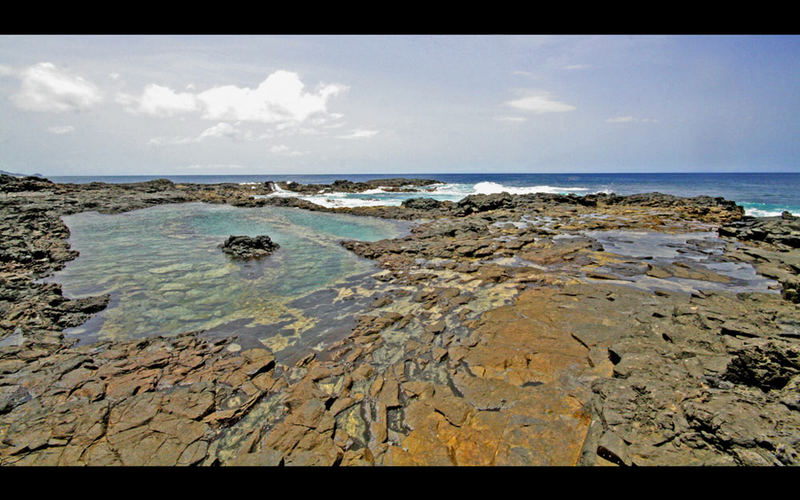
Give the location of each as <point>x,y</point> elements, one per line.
<point>245,247</point>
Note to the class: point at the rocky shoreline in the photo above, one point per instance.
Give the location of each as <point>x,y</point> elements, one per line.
<point>533,329</point>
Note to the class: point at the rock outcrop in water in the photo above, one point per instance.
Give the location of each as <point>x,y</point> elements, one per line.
<point>422,204</point>
<point>398,184</point>
<point>247,248</point>
<point>505,331</point>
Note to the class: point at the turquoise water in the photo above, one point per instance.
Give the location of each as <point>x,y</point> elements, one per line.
<point>166,273</point>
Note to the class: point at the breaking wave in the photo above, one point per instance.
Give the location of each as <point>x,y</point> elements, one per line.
<point>766,210</point>
<point>380,196</point>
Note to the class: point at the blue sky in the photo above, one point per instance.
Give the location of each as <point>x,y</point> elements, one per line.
<point>159,105</point>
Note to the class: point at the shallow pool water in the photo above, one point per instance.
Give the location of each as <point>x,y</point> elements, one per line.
<point>697,251</point>
<point>166,273</point>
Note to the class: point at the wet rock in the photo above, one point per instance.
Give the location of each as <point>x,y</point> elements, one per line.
<point>781,230</point>
<point>345,186</point>
<point>421,203</point>
<point>483,202</point>
<point>516,378</point>
<point>246,248</point>
<point>89,305</point>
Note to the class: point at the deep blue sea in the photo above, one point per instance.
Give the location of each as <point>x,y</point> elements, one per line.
<point>761,194</point>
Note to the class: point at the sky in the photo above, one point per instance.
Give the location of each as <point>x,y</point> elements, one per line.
<point>194,105</point>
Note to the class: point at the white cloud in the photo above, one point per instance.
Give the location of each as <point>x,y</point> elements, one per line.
<point>577,66</point>
<point>540,102</point>
<point>279,99</point>
<point>114,76</point>
<point>331,120</point>
<point>360,134</point>
<point>44,87</point>
<point>215,166</point>
<point>159,101</point>
<point>7,71</point>
<point>221,130</point>
<point>515,119</point>
<point>61,129</point>
<point>630,119</point>
<point>171,141</point>
<point>285,151</point>
<point>620,119</point>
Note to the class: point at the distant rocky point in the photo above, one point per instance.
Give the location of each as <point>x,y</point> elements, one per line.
<point>6,172</point>
<point>13,183</point>
<point>247,248</point>
<point>398,184</point>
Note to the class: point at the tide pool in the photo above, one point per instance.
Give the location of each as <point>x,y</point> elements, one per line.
<point>166,274</point>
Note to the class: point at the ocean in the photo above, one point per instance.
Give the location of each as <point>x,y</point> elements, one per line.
<point>761,194</point>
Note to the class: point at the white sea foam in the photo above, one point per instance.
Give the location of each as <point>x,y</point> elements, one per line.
<point>757,212</point>
<point>487,187</point>
<point>342,201</point>
<point>379,196</point>
<point>460,190</point>
<point>281,192</point>
<point>764,209</point>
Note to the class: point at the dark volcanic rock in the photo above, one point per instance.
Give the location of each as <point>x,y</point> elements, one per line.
<point>345,186</point>
<point>767,367</point>
<point>781,230</point>
<point>484,202</point>
<point>483,345</point>
<point>422,203</point>
<point>698,207</point>
<point>245,247</point>
<point>11,184</point>
<point>781,233</point>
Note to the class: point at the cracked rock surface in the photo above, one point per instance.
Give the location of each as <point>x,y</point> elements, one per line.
<point>505,330</point>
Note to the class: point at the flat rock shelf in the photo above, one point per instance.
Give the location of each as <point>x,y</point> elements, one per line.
<point>530,329</point>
